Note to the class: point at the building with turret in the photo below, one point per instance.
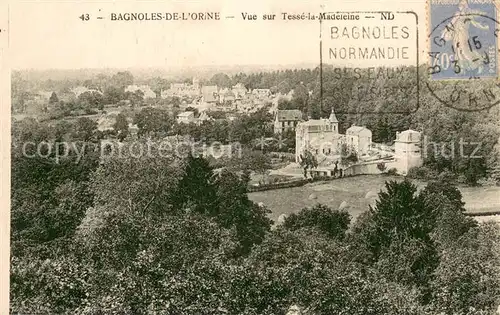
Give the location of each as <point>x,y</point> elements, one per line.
<point>318,136</point>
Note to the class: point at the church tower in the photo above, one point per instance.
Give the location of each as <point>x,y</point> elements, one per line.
<point>333,121</point>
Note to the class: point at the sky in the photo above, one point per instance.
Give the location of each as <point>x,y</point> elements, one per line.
<point>49,34</point>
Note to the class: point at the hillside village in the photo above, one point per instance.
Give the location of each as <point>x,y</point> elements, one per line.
<point>195,103</point>
<point>255,193</point>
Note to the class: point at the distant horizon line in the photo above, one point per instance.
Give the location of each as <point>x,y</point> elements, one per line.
<point>210,67</point>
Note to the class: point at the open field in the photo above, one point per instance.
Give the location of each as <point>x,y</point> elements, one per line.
<point>359,192</point>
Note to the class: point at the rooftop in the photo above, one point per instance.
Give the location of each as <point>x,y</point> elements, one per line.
<point>356,129</point>
<point>408,136</point>
<point>315,122</point>
<point>289,114</point>
<point>332,117</point>
<point>186,114</point>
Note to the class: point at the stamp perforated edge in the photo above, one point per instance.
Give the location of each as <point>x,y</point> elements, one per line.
<point>429,27</point>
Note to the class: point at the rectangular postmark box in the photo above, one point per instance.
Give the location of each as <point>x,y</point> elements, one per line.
<point>378,51</point>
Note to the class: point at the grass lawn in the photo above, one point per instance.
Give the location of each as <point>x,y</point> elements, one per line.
<point>359,192</point>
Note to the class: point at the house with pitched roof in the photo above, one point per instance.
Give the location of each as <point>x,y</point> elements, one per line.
<point>210,94</point>
<point>286,119</point>
<point>360,138</point>
<point>226,96</point>
<point>186,117</point>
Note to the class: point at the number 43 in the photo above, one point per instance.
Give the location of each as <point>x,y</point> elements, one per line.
<point>84,17</point>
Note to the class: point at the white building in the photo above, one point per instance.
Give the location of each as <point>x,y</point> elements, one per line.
<point>145,89</point>
<point>204,117</point>
<point>226,96</point>
<point>239,91</point>
<point>321,137</point>
<point>210,94</point>
<point>360,138</point>
<point>183,89</point>
<point>407,149</point>
<point>185,117</point>
<point>318,136</point>
<point>261,92</point>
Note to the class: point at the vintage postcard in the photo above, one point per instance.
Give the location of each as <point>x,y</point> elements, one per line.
<point>263,157</point>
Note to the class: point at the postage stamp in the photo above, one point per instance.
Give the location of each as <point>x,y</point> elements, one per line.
<point>463,39</point>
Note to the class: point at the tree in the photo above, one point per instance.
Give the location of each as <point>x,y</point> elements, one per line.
<point>236,211</point>
<point>136,98</point>
<point>468,274</point>
<point>397,235</point>
<point>348,154</point>
<point>300,99</point>
<point>113,95</point>
<point>122,79</point>
<point>405,234</point>
<point>49,193</point>
<point>473,169</point>
<point>284,103</point>
<point>307,268</point>
<point>53,98</point>
<point>121,126</point>
<point>308,161</point>
<point>85,129</point>
<point>251,160</point>
<point>334,223</point>
<point>91,99</point>
<point>221,80</point>
<point>381,167</point>
<point>383,132</point>
<point>159,84</point>
<point>196,191</point>
<point>153,120</point>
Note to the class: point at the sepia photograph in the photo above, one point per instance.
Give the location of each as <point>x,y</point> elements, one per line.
<point>268,157</point>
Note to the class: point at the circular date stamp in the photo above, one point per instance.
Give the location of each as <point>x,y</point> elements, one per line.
<point>463,54</point>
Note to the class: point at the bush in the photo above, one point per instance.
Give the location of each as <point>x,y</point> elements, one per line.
<point>332,222</point>
<point>447,176</point>
<point>421,172</point>
<point>392,172</point>
<point>382,166</point>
